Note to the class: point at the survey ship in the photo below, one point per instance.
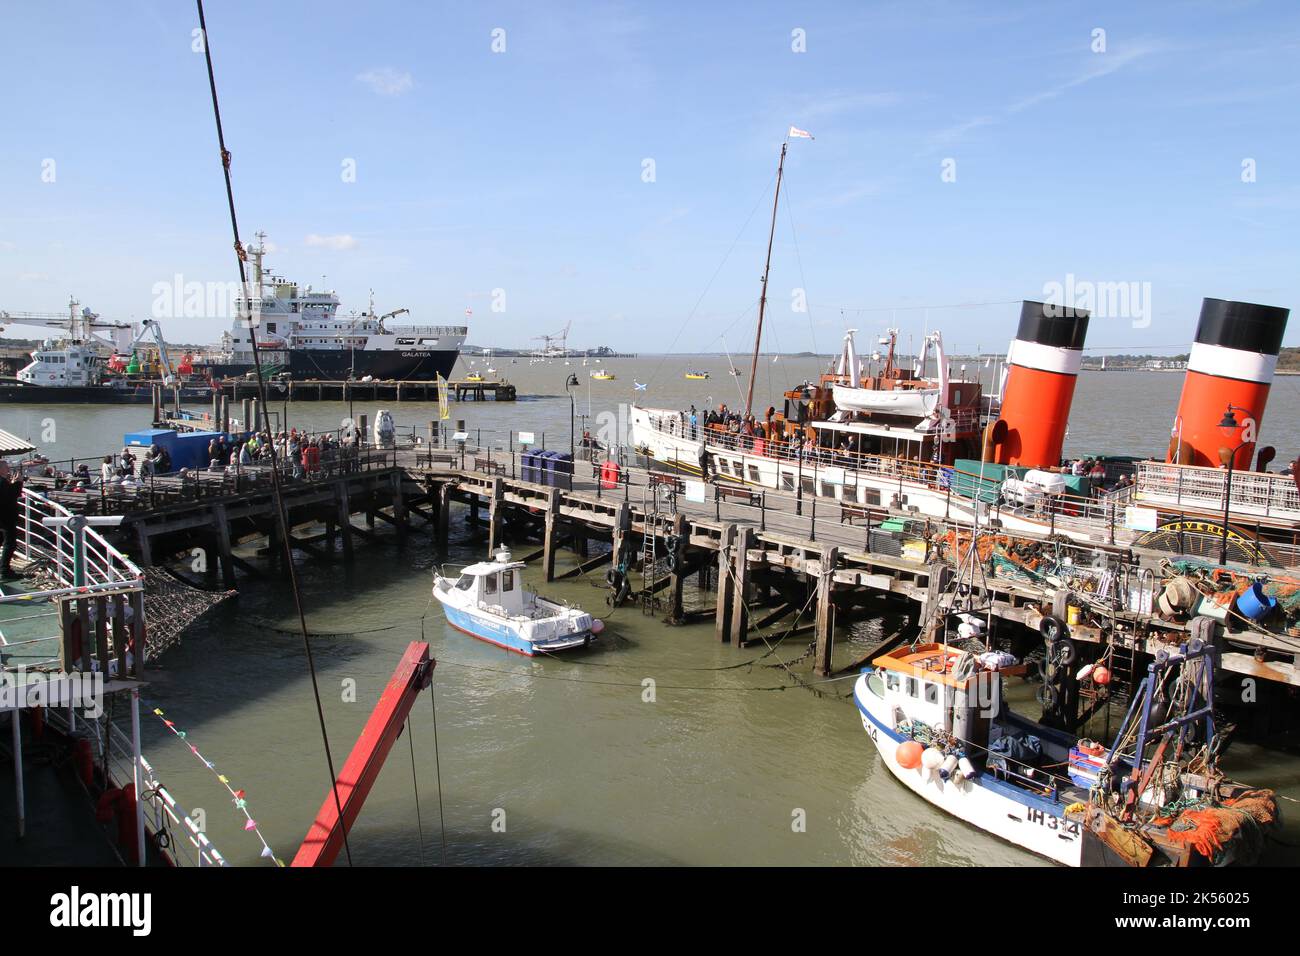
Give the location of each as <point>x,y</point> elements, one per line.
<point>299,335</point>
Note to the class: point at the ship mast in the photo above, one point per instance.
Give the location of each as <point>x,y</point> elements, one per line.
<point>762,299</point>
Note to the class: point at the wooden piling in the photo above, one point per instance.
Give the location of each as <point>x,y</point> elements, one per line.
<point>222,528</point>
<point>825,613</point>
<point>676,610</point>
<point>726,593</point>
<point>496,512</point>
<point>400,517</point>
<point>740,582</point>
<point>444,517</point>
<point>548,536</point>
<point>345,518</point>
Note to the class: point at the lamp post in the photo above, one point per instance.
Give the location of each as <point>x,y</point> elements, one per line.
<point>568,387</point>
<point>1229,425</point>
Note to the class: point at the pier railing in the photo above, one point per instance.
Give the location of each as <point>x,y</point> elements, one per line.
<point>1253,493</point>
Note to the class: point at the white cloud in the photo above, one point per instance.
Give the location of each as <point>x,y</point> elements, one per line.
<point>337,243</point>
<point>33,277</point>
<point>6,246</point>
<point>386,81</point>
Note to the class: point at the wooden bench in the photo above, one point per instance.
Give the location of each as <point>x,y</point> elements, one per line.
<point>740,492</point>
<point>489,467</point>
<point>443,458</point>
<point>849,510</point>
<point>660,479</point>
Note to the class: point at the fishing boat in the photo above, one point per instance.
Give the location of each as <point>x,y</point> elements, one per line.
<point>488,601</point>
<point>474,377</point>
<point>1155,797</point>
<point>603,375</point>
<point>697,376</point>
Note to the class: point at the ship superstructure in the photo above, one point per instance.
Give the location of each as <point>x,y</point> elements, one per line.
<point>299,332</point>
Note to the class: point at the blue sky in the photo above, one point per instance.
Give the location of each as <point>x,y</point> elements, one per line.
<point>523,170</point>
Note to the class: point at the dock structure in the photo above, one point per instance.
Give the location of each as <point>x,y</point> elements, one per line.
<point>388,390</point>
<point>775,560</point>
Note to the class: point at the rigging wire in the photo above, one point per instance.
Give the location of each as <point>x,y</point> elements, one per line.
<point>264,406</point>
<point>415,785</point>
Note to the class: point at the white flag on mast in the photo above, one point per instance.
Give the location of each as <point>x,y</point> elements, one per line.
<point>800,133</point>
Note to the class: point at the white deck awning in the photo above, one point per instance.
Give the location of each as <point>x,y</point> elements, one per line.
<point>13,445</point>
<point>878,431</point>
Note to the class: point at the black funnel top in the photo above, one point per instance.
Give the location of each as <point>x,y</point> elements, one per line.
<point>1242,325</point>
<point>1055,325</point>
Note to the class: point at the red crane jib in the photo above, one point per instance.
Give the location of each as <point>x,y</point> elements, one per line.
<point>325,838</point>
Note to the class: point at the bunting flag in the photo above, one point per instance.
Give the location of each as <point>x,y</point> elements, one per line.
<point>237,797</point>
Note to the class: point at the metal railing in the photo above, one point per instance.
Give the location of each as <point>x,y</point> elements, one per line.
<point>175,832</point>
<point>1191,486</point>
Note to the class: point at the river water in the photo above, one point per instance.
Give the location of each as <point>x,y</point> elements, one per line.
<point>567,761</point>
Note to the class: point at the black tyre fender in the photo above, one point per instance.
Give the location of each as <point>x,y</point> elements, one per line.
<point>1064,652</point>
<point>1046,696</point>
<point>1052,628</point>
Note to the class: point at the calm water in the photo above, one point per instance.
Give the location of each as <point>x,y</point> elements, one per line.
<point>567,752</point>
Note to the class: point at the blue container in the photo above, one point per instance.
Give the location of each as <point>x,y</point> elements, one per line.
<point>1255,604</point>
<point>533,468</point>
<point>561,467</point>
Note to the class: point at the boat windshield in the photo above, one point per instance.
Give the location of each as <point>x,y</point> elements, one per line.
<point>465,582</point>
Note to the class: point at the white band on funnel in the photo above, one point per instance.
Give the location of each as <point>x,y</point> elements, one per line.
<point>1231,363</point>
<point>1045,358</point>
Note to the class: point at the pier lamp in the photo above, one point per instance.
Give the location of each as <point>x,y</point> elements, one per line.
<point>1229,425</point>
<point>569,384</point>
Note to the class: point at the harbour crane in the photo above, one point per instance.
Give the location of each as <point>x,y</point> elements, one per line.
<point>554,345</point>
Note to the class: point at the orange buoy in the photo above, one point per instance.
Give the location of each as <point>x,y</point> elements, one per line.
<point>1100,675</point>
<point>908,754</point>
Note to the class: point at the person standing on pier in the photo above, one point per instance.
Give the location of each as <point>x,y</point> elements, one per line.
<point>11,490</point>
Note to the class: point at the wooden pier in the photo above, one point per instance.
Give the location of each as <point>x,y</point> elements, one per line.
<point>773,560</point>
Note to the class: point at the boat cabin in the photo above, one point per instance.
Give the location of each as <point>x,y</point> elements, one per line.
<point>932,684</point>
<point>498,585</point>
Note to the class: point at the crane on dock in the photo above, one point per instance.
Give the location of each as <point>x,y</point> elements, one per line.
<point>554,346</point>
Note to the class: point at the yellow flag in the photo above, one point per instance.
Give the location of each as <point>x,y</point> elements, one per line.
<point>444,411</point>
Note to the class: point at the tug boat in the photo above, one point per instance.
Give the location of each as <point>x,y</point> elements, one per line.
<point>488,601</point>
<point>1155,797</point>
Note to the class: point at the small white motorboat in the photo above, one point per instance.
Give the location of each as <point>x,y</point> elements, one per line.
<point>488,601</point>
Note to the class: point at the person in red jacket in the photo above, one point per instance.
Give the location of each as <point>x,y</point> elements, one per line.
<point>311,458</point>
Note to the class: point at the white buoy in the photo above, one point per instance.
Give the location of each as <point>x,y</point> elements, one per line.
<point>966,768</point>
<point>1084,671</point>
<point>948,766</point>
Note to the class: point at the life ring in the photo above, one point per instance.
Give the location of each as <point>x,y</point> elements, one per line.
<point>1052,628</point>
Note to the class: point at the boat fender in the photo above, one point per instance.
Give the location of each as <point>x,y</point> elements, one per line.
<point>947,767</point>
<point>1064,652</point>
<point>1046,696</point>
<point>1084,672</point>
<point>1052,628</point>
<point>931,758</point>
<point>597,625</point>
<point>966,768</point>
<point>1101,676</point>
<point>614,578</point>
<point>908,754</point>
